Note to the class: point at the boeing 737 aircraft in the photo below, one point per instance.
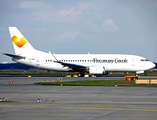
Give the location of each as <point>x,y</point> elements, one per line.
<point>81,63</point>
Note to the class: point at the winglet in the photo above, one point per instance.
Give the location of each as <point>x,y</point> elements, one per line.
<point>53,56</point>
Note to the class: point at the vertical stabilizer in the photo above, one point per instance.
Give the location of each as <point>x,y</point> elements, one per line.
<point>20,44</point>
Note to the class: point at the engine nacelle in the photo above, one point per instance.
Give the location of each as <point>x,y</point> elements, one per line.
<point>139,72</point>
<point>97,70</point>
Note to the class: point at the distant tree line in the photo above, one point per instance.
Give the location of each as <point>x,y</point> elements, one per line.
<point>13,66</point>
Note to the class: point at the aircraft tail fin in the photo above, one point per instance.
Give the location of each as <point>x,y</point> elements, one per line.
<point>20,44</point>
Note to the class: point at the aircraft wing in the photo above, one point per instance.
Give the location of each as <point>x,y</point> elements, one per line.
<point>73,66</point>
<point>15,56</point>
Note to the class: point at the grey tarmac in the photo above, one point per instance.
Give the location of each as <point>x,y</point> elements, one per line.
<point>75,102</point>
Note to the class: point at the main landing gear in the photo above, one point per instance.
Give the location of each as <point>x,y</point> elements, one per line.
<point>81,74</point>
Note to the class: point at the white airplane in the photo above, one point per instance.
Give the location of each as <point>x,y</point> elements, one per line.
<point>81,63</point>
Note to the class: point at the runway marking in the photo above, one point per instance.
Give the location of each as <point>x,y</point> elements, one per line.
<point>77,107</point>
<point>83,92</point>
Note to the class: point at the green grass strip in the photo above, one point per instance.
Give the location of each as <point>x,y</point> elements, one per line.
<point>96,83</point>
<point>6,101</point>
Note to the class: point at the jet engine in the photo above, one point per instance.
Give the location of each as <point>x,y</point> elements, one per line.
<point>97,70</point>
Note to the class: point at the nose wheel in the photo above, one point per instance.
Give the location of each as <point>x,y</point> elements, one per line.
<point>137,75</point>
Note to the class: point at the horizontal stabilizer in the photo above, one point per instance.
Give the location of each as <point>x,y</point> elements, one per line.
<point>15,56</point>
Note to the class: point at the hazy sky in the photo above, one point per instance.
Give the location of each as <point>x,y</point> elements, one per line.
<point>82,26</point>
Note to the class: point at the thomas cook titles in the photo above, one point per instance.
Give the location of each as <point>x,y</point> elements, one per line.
<point>116,60</point>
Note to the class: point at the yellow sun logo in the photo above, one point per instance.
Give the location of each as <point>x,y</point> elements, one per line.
<point>19,41</point>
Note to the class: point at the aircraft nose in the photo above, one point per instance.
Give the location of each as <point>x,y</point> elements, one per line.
<point>149,65</point>
<point>153,65</point>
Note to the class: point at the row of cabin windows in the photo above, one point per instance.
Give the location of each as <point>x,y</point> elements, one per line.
<point>76,60</point>
<point>72,60</point>
<point>48,60</point>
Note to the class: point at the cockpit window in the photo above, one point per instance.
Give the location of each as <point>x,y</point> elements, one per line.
<point>145,60</point>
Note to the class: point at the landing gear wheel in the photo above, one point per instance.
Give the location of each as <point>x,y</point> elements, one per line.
<point>81,74</point>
